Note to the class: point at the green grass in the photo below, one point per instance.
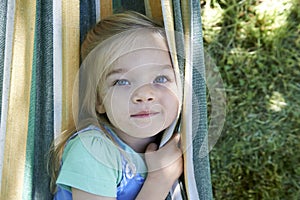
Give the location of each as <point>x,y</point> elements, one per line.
<point>256,47</point>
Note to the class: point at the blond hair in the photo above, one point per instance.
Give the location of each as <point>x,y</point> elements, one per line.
<point>104,43</point>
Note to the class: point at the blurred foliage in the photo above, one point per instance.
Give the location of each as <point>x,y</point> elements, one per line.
<point>256,46</point>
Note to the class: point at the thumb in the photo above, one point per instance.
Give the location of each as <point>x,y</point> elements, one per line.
<point>151,148</point>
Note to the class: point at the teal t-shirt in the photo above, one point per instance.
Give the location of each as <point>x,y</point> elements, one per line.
<point>93,163</point>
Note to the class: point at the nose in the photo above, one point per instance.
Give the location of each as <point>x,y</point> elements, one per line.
<point>144,94</point>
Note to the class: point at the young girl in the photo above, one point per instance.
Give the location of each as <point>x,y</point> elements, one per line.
<point>128,96</point>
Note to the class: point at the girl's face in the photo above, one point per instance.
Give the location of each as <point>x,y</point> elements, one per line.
<point>140,95</point>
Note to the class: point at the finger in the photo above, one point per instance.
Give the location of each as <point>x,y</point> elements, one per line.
<point>173,142</point>
<point>175,139</point>
<point>151,148</point>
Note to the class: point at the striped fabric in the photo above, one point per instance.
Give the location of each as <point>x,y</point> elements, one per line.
<point>39,58</point>
<point>184,17</point>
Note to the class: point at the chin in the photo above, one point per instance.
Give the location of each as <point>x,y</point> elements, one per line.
<point>144,133</point>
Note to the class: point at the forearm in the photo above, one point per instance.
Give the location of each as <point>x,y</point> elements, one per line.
<point>154,189</point>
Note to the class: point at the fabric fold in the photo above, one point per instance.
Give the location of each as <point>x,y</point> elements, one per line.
<point>39,59</point>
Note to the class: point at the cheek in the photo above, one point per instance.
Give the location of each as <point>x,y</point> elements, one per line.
<point>116,102</point>
<point>170,100</point>
<point>117,109</point>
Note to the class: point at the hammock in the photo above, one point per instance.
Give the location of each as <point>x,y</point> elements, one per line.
<point>39,59</point>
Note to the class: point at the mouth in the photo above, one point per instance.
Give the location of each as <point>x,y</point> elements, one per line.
<point>144,114</point>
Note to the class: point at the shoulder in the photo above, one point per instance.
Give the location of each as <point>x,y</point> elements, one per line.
<point>91,162</point>
<point>93,143</point>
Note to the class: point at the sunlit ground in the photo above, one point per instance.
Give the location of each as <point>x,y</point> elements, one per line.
<point>277,102</point>
<point>256,46</point>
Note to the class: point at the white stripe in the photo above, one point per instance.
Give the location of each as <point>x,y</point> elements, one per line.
<point>187,117</point>
<point>176,191</point>
<point>57,65</point>
<point>97,7</point>
<point>6,77</point>
<point>169,27</point>
<point>188,92</point>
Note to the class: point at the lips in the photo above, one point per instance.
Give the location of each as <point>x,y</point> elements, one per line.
<point>144,114</point>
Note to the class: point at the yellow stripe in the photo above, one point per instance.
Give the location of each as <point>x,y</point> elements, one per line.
<point>167,10</point>
<point>106,8</point>
<point>153,9</point>
<point>156,9</point>
<point>148,8</point>
<point>19,101</point>
<point>70,51</point>
<point>186,123</point>
<point>186,15</point>
<point>187,106</point>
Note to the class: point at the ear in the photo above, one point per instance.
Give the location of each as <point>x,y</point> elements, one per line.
<point>100,108</point>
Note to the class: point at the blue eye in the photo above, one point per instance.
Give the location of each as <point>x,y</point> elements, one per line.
<point>121,82</point>
<point>160,79</point>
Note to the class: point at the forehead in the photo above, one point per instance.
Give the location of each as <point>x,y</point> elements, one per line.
<point>149,39</point>
<point>143,57</point>
<point>146,49</point>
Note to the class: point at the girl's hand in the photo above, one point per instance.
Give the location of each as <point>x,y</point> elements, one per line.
<point>165,165</point>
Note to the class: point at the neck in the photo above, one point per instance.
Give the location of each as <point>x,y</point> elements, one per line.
<point>139,145</point>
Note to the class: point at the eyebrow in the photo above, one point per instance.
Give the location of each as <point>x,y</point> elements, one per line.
<point>170,67</point>
<point>121,70</point>
<point>115,71</point>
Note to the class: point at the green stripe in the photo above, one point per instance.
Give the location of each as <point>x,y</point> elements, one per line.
<point>87,17</point>
<point>40,126</point>
<point>3,8</point>
<point>201,163</point>
<point>44,122</point>
<point>28,171</point>
<point>179,40</point>
<point>179,35</point>
<point>122,5</point>
<point>117,6</point>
